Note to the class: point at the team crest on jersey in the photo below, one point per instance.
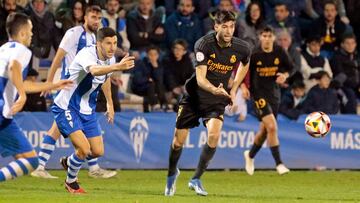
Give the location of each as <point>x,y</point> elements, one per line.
<point>259,63</point>
<point>233,59</point>
<point>200,56</point>
<point>213,56</point>
<point>139,131</point>
<point>276,61</point>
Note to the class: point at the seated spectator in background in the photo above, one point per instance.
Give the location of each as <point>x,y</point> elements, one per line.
<point>283,39</point>
<point>145,26</point>
<point>284,22</point>
<point>67,19</point>
<point>101,104</point>
<point>321,97</point>
<point>346,69</point>
<point>178,67</point>
<point>253,23</point>
<point>34,101</point>
<point>183,24</point>
<point>294,6</point>
<point>201,6</point>
<point>45,33</point>
<point>330,28</point>
<point>312,62</point>
<point>315,8</point>
<point>352,10</point>
<point>7,7</point>
<point>224,5</point>
<point>148,80</point>
<point>292,101</point>
<point>110,18</point>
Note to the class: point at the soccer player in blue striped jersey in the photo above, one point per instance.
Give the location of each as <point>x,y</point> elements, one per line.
<point>14,61</point>
<point>74,108</point>
<point>73,41</point>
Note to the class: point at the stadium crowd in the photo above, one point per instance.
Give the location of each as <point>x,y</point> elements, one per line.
<point>319,36</point>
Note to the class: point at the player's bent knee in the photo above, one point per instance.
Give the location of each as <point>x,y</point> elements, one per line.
<point>82,153</point>
<point>213,139</point>
<point>97,153</point>
<point>271,128</point>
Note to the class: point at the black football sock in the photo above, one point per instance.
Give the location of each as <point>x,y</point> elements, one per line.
<point>173,159</point>
<point>205,158</point>
<point>276,154</point>
<point>254,150</point>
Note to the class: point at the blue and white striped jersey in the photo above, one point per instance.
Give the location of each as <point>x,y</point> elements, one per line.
<point>82,95</point>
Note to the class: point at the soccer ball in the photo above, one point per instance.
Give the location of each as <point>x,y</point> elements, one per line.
<point>317,124</point>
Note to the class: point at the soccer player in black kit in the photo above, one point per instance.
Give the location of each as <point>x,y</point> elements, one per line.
<point>217,55</point>
<point>269,68</point>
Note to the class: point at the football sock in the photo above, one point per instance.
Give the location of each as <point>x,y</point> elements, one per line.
<point>74,163</point>
<point>205,158</point>
<point>93,163</point>
<point>46,148</point>
<point>254,150</point>
<point>173,159</point>
<point>18,168</point>
<point>276,154</point>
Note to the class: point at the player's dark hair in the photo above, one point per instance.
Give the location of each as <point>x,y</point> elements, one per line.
<point>105,32</point>
<point>224,16</point>
<point>182,43</point>
<point>14,23</point>
<point>267,29</point>
<point>93,8</point>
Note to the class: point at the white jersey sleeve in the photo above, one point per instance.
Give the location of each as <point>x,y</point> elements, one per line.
<point>21,54</point>
<point>69,40</point>
<point>87,59</point>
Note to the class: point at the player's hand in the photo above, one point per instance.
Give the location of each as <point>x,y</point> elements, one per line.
<point>126,63</point>
<point>110,113</point>
<point>47,92</point>
<point>281,78</point>
<point>18,105</point>
<point>63,84</point>
<point>220,91</point>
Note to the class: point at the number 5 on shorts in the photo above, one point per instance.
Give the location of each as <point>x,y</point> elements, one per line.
<point>69,117</point>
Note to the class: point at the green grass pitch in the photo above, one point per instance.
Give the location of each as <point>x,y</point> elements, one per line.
<point>235,186</point>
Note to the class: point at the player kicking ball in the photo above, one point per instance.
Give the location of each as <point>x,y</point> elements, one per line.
<point>14,61</point>
<point>74,108</point>
<point>269,68</point>
<point>217,55</point>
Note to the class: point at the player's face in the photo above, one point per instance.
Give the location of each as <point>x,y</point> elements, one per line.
<point>178,51</point>
<point>255,12</point>
<point>10,6</point>
<point>349,45</point>
<point>186,7</point>
<point>25,33</point>
<point>112,7</point>
<point>330,12</point>
<point>225,31</point>
<point>108,46</point>
<point>78,11</point>
<point>226,5</point>
<point>145,6</point>
<point>267,40</point>
<point>92,21</point>
<point>314,47</point>
<point>281,13</point>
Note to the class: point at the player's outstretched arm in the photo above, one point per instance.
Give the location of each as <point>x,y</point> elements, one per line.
<point>125,64</point>
<point>32,87</point>
<point>206,85</point>
<point>16,78</point>
<point>106,88</point>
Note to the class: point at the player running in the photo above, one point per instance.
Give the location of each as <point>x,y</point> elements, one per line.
<point>73,41</point>
<point>14,61</point>
<point>217,55</point>
<point>74,109</point>
<point>269,68</point>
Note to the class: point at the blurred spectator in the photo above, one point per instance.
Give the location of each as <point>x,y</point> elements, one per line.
<point>295,7</point>
<point>113,20</point>
<point>67,19</point>
<point>283,39</point>
<point>183,24</point>
<point>224,5</point>
<point>346,68</point>
<point>34,101</point>
<point>292,101</point>
<point>315,8</point>
<point>148,80</point>
<point>101,100</point>
<point>178,68</point>
<point>145,26</point>
<point>321,97</point>
<point>330,28</point>
<point>312,62</point>
<point>8,6</point>
<point>201,7</point>
<point>352,9</point>
<point>253,23</point>
<point>284,22</point>
<point>45,33</point>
